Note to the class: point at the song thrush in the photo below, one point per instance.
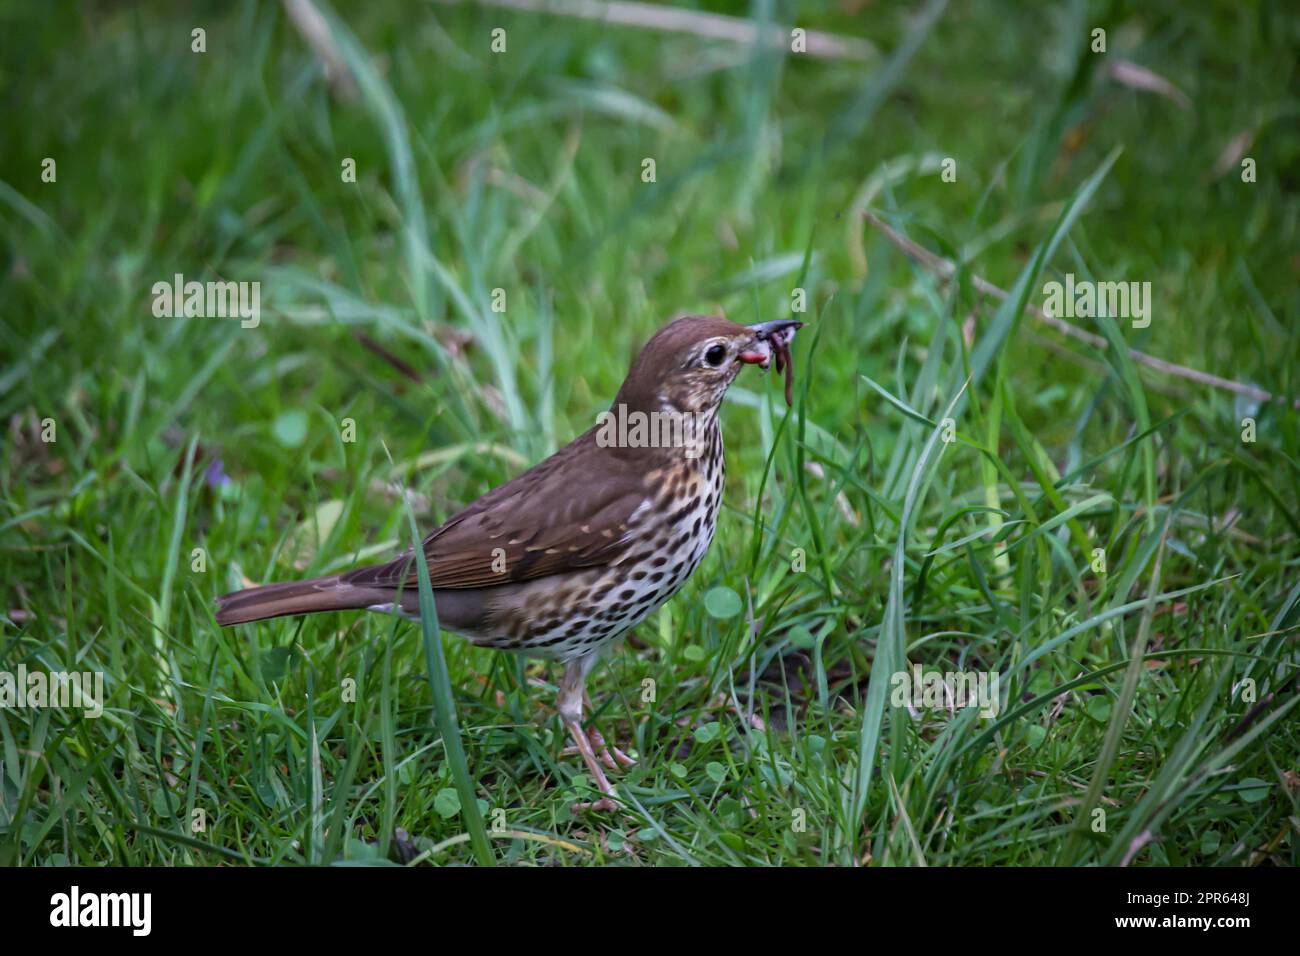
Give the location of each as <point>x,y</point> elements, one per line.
<point>567,557</point>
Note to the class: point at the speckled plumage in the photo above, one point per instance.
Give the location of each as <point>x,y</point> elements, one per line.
<point>567,557</point>
<point>660,546</point>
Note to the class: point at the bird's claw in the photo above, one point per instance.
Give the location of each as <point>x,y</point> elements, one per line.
<point>605,804</point>
<point>609,754</point>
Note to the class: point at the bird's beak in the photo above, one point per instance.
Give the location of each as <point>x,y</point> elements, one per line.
<point>765,330</point>
<point>765,334</point>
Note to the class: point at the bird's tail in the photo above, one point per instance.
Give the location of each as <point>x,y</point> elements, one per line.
<point>329,593</point>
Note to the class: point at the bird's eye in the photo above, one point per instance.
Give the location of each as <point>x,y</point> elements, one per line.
<point>715,355</point>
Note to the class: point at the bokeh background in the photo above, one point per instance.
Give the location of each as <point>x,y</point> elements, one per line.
<point>1159,691</point>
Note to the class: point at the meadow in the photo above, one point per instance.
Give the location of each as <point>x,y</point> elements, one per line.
<point>458,244</point>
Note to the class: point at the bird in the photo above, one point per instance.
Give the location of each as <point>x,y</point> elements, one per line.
<point>567,557</point>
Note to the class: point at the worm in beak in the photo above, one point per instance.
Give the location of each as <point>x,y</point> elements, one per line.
<point>773,339</point>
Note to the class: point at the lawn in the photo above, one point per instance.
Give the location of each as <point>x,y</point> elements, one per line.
<point>460,238</point>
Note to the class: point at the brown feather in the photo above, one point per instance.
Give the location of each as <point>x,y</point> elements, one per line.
<point>293,597</point>
<point>537,538</point>
<point>564,523</point>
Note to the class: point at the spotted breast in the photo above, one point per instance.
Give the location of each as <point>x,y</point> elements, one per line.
<point>665,539</point>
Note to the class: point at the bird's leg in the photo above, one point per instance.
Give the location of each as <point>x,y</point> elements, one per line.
<point>608,753</point>
<point>572,692</point>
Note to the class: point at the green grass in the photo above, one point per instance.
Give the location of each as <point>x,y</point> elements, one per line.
<point>764,737</point>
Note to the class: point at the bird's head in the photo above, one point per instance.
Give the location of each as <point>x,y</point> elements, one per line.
<point>689,363</point>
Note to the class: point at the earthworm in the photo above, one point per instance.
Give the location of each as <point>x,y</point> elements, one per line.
<point>777,336</point>
<point>781,351</point>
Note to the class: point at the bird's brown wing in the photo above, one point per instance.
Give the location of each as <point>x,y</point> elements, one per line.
<point>568,512</point>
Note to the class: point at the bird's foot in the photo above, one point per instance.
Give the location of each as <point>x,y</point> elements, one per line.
<point>603,805</point>
<point>609,754</point>
<point>583,744</point>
